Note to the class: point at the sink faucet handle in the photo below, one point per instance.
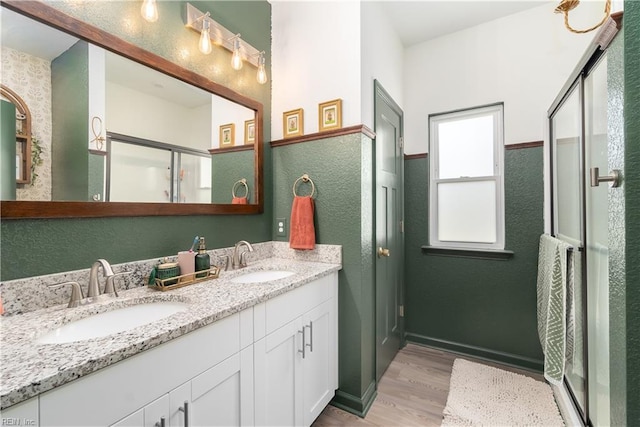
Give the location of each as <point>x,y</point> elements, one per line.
<point>243,259</point>
<point>227,260</point>
<point>76,293</point>
<point>109,287</point>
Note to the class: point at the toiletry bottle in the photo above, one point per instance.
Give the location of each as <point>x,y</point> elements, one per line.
<point>202,260</point>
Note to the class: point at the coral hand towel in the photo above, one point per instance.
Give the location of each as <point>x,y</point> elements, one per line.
<point>302,234</point>
<point>239,201</point>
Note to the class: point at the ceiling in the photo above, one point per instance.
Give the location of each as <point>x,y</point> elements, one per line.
<point>417,21</point>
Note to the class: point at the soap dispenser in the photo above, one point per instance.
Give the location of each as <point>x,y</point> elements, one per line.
<point>203,262</point>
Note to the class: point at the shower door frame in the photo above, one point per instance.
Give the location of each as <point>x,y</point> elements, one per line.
<point>587,64</point>
<point>578,85</point>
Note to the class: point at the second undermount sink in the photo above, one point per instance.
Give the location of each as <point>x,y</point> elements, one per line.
<point>262,276</point>
<point>112,322</point>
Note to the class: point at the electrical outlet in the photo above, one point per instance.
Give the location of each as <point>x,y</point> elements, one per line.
<point>281,227</point>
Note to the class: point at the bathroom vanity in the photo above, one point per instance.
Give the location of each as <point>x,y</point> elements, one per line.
<point>257,353</point>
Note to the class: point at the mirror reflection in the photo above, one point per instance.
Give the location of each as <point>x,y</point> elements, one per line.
<point>104,128</point>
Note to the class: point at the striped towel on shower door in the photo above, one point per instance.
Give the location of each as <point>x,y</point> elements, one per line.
<point>552,307</point>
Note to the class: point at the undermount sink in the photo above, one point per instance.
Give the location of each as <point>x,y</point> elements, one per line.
<point>262,276</point>
<point>112,322</point>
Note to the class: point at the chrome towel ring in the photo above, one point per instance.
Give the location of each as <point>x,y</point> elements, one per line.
<point>239,182</point>
<point>304,178</point>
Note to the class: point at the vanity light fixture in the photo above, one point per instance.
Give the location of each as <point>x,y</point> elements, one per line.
<point>236,58</point>
<point>149,10</point>
<point>262,72</point>
<point>205,38</point>
<point>242,51</point>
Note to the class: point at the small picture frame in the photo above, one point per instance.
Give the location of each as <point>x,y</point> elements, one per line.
<point>293,123</point>
<point>249,132</point>
<point>228,135</point>
<point>330,115</point>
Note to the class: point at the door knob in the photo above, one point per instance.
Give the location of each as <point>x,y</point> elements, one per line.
<point>596,179</point>
<point>383,252</point>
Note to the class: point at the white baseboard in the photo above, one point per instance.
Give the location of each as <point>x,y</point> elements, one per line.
<point>567,410</point>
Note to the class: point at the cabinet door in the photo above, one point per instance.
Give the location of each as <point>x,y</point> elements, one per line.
<point>179,413</point>
<point>319,363</point>
<point>278,377</point>
<point>155,411</point>
<point>223,395</point>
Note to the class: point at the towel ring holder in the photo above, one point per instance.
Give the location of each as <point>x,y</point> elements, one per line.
<point>304,178</point>
<point>242,181</point>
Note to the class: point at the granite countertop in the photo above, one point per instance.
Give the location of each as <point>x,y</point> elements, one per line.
<point>28,368</point>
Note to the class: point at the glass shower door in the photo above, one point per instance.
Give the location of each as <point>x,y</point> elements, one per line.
<point>139,174</point>
<point>568,170</point>
<point>597,233</point>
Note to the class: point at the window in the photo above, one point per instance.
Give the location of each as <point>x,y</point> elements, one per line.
<point>466,186</point>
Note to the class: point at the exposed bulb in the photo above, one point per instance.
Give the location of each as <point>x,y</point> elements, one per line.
<point>149,10</point>
<point>262,72</point>
<point>205,40</point>
<point>236,59</point>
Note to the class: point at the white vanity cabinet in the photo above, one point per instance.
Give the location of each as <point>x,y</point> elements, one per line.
<point>272,364</point>
<point>296,361</point>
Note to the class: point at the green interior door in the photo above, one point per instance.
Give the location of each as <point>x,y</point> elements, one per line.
<point>389,242</point>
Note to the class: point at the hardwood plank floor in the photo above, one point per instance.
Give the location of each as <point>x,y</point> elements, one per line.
<point>413,391</point>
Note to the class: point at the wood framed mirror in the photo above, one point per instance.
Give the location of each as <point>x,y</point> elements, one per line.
<point>54,18</point>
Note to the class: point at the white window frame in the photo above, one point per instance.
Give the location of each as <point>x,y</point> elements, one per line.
<point>497,111</point>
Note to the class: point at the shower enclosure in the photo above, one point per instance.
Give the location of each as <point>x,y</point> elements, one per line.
<point>140,170</point>
<point>583,122</point>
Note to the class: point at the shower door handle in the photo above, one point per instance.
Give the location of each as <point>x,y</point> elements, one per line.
<point>596,179</point>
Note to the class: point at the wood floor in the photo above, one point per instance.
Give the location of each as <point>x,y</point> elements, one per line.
<point>413,391</point>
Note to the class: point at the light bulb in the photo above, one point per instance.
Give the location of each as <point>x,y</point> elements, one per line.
<point>205,40</point>
<point>236,59</point>
<point>149,10</point>
<point>262,72</point>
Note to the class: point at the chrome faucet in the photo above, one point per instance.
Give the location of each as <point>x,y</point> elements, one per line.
<point>94,285</point>
<point>239,258</point>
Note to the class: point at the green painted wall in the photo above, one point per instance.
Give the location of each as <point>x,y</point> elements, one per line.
<point>481,307</point>
<point>226,170</point>
<point>341,168</point>
<point>70,124</point>
<point>7,150</point>
<point>632,209</point>
<point>68,244</point>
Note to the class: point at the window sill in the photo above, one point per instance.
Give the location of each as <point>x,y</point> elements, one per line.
<point>500,255</point>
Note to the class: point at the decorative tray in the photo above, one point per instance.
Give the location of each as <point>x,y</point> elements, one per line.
<point>186,279</point>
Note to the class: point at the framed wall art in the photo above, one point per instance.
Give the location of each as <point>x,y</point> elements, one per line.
<point>249,132</point>
<point>227,135</point>
<point>330,115</point>
<point>293,123</point>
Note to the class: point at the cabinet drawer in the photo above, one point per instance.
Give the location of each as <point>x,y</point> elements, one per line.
<point>282,309</point>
